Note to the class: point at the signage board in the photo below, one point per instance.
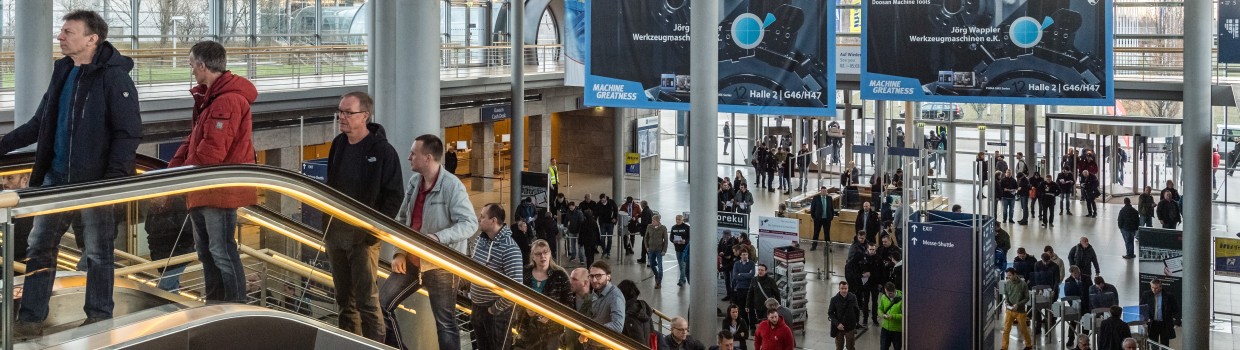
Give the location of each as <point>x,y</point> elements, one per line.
<point>775,57</point>
<point>1009,52</point>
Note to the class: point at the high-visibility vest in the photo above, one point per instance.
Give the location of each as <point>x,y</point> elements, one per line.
<point>554,175</point>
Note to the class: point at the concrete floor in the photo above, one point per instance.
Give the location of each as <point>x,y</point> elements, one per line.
<point>667,191</point>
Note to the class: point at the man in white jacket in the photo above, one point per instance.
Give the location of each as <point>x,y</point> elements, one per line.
<point>436,205</point>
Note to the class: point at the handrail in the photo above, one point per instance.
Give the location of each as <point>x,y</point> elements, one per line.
<point>40,201</point>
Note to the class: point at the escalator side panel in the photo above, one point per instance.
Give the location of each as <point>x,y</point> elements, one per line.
<point>251,333</point>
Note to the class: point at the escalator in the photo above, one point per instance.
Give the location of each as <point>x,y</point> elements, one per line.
<point>169,320</point>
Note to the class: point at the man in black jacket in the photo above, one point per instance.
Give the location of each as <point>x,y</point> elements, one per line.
<point>86,128</point>
<point>1129,222</point>
<point>364,166</point>
<point>867,220</point>
<point>1089,192</point>
<point>1083,255</point>
<point>1046,201</point>
<point>1022,195</point>
<point>1163,312</point>
<point>822,209</point>
<point>1113,331</point>
<point>1008,188</point>
<point>1168,211</point>
<point>1066,185</point>
<point>844,313</point>
<point>606,212</point>
<point>1076,286</point>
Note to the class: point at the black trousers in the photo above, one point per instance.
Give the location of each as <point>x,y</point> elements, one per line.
<point>491,331</point>
<point>821,225</point>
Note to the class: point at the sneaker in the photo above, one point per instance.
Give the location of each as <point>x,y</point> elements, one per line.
<point>641,261</point>
<point>91,320</point>
<point>680,284</point>
<point>27,330</point>
<point>658,285</point>
<point>1129,256</point>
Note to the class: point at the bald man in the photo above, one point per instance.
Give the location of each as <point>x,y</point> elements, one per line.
<point>680,339</point>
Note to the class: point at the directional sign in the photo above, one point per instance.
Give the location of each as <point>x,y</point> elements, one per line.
<point>940,286</point>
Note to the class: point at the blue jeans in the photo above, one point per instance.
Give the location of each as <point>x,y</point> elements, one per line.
<point>1147,221</point>
<point>393,292</point>
<point>1128,237</point>
<point>215,240</point>
<point>655,261</point>
<point>1064,200</point>
<point>171,278</point>
<point>682,259</point>
<point>1007,208</point>
<point>99,235</point>
<point>607,230</point>
<point>441,287</point>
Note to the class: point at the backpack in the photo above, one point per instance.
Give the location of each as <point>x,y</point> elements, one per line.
<point>638,323</point>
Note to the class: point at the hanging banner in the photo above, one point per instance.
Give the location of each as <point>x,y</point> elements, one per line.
<point>632,163</point>
<point>1161,254</point>
<point>1227,257</point>
<point>574,42</point>
<point>775,232</point>
<point>1011,52</point>
<point>775,56</point>
<point>534,185</point>
<point>1229,31</point>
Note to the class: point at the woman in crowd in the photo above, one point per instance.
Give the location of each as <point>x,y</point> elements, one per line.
<point>545,277</point>
<point>737,325</point>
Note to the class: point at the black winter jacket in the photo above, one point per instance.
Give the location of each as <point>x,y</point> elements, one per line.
<point>106,126</point>
<point>1082,257</point>
<point>1129,219</point>
<point>383,187</point>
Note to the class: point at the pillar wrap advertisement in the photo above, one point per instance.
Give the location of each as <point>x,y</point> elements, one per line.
<point>1051,52</point>
<point>775,56</point>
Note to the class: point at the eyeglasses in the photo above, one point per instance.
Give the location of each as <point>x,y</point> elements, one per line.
<point>346,114</point>
<point>597,275</point>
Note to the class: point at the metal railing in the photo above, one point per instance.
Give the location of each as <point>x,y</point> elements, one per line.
<point>161,73</point>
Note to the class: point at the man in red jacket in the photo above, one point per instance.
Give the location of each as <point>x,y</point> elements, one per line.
<point>773,334</point>
<point>221,135</point>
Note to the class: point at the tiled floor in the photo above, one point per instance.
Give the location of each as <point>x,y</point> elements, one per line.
<point>667,190</point>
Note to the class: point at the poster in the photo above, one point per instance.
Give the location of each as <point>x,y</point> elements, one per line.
<point>1011,52</point>
<point>1228,31</point>
<point>574,42</point>
<point>648,136</point>
<point>1161,254</point>
<point>1227,257</point>
<point>535,185</point>
<point>727,224</point>
<point>775,232</point>
<point>775,56</point>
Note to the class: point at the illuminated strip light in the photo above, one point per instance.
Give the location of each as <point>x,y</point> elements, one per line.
<point>281,230</point>
<point>421,252</point>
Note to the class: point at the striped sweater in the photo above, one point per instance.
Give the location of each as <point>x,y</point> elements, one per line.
<point>500,254</point>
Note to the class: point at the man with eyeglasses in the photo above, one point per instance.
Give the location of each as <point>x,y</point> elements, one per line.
<point>364,166</point>
<point>680,339</point>
<point>608,305</point>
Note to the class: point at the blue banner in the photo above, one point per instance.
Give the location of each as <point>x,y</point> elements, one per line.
<point>1010,52</point>
<point>775,56</point>
<point>1229,31</point>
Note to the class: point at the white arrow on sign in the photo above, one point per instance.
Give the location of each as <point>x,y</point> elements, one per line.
<point>914,239</point>
<point>915,228</point>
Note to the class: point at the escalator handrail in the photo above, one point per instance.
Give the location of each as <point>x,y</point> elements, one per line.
<point>46,200</point>
<point>19,162</point>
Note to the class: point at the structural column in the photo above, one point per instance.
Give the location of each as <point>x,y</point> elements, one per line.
<point>540,142</point>
<point>407,101</point>
<point>618,115</point>
<point>33,55</point>
<point>1031,136</point>
<point>880,140</point>
<point>1198,42</point>
<point>849,137</point>
<point>703,155</point>
<point>516,26</point>
<point>482,157</point>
